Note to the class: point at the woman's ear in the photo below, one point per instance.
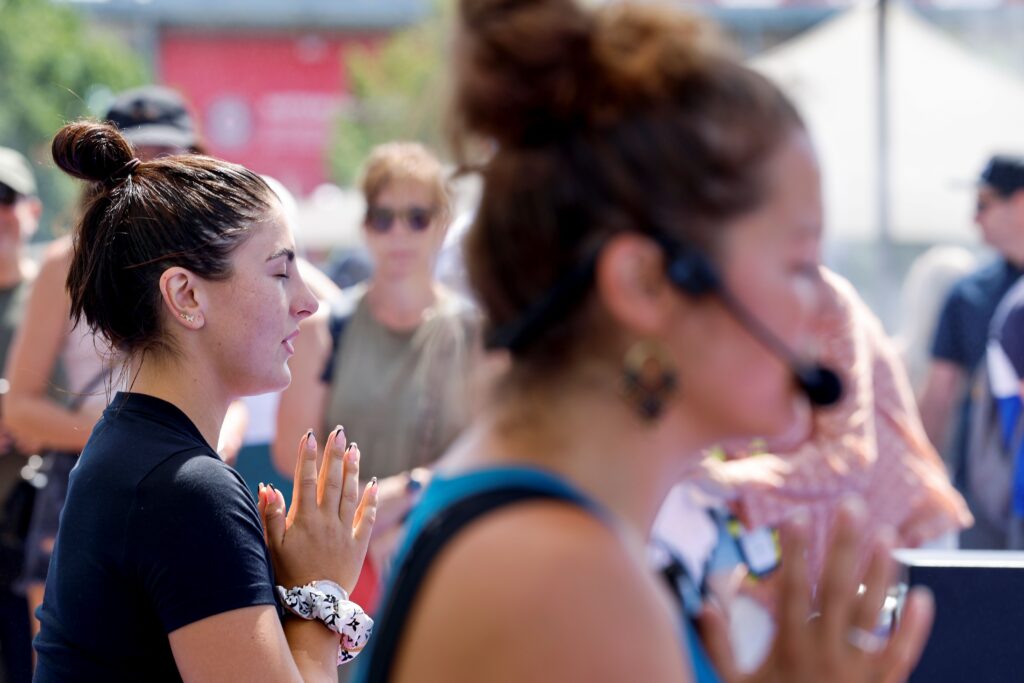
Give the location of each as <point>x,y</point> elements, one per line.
<point>182,294</point>
<point>630,279</point>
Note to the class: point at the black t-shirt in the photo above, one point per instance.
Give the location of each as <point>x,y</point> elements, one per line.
<point>157,533</point>
<point>961,336</point>
<point>962,330</point>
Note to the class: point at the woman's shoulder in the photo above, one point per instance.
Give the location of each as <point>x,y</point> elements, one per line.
<point>59,249</point>
<point>192,487</point>
<point>453,307</point>
<point>200,472</point>
<point>557,588</point>
<point>452,302</point>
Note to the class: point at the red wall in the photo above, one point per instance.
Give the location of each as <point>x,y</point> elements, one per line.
<point>268,101</point>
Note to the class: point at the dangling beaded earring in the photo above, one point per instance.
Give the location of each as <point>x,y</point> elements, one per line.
<point>650,378</point>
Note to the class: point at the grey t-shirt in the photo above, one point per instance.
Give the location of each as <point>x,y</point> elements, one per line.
<point>404,396</point>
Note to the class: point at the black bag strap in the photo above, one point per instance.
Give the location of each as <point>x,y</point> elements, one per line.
<point>79,397</point>
<point>336,326</point>
<point>408,577</point>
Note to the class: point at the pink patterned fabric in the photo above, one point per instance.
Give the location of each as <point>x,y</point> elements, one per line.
<point>871,444</point>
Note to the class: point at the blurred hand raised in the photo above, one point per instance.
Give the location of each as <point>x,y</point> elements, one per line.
<point>838,644</point>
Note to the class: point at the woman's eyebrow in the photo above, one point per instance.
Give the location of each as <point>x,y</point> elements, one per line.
<point>285,251</point>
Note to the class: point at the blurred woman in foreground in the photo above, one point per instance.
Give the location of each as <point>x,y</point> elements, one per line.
<point>643,186</point>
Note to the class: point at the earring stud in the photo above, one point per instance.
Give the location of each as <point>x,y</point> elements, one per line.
<point>187,317</point>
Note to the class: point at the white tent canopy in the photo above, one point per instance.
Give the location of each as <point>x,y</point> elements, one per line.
<point>948,111</point>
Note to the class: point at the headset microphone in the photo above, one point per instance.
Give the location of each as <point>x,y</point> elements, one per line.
<point>820,385</point>
<point>691,271</point>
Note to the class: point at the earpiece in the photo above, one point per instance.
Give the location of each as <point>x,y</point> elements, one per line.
<point>694,274</point>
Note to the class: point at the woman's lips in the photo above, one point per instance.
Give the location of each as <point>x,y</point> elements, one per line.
<point>288,342</point>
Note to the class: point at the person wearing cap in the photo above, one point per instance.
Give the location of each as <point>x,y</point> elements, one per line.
<point>156,121</point>
<point>19,217</point>
<point>961,335</point>
<point>20,210</point>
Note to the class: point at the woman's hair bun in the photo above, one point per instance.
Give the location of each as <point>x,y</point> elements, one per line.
<point>521,67</point>
<point>91,151</point>
<point>528,70</point>
<point>645,53</point>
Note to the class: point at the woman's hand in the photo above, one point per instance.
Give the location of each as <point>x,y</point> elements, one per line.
<point>838,643</point>
<point>398,494</point>
<point>327,529</point>
<point>727,480</point>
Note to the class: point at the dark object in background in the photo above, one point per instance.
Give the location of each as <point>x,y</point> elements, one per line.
<point>15,515</point>
<point>349,268</point>
<point>979,613</point>
<point>154,115</point>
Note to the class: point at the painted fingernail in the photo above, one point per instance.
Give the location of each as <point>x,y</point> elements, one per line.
<point>310,441</point>
<point>373,481</point>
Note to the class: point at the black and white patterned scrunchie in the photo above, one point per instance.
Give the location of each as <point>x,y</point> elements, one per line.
<point>336,611</point>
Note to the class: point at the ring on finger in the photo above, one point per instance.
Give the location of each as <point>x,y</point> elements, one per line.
<point>864,640</point>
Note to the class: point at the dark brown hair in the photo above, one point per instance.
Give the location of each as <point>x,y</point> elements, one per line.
<point>141,218</point>
<point>625,118</point>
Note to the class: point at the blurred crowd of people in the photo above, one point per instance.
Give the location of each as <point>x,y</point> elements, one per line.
<point>650,359</point>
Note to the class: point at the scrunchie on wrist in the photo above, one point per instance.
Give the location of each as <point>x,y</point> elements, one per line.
<point>328,603</point>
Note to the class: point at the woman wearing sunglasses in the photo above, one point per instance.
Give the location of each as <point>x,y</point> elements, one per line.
<point>394,366</point>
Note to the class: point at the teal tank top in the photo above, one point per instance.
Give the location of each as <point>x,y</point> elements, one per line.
<point>492,487</point>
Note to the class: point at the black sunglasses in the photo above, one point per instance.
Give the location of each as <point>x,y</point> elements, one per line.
<point>8,196</point>
<point>380,219</point>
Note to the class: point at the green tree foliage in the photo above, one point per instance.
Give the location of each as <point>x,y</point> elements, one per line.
<point>53,63</point>
<point>398,90</point>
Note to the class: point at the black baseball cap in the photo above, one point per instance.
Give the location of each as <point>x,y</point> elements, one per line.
<point>1004,173</point>
<point>153,115</point>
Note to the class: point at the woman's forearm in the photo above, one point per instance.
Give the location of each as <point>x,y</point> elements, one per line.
<point>39,420</point>
<point>314,648</point>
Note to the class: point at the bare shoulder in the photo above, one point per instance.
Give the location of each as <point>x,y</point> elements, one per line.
<point>55,262</point>
<point>541,591</point>
<point>58,253</point>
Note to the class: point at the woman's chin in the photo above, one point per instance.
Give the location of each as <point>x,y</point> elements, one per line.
<point>266,385</point>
